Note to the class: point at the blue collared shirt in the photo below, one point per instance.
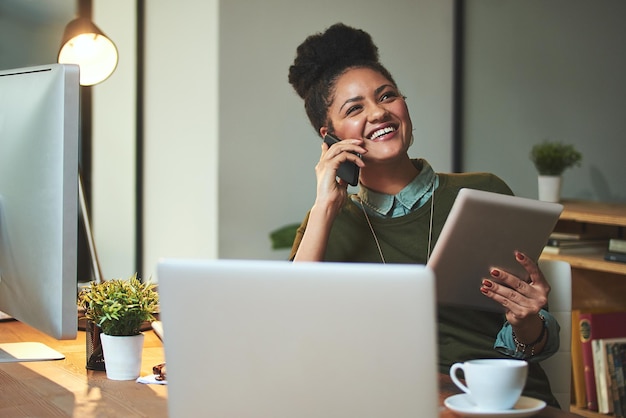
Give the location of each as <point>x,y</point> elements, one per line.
<point>413,196</point>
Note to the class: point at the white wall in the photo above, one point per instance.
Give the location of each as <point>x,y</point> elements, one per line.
<point>547,70</point>
<point>113,142</point>
<point>181,131</point>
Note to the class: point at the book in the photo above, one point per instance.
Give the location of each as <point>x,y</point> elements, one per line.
<point>578,369</point>
<point>555,242</point>
<point>596,248</point>
<point>597,326</point>
<point>572,236</point>
<point>603,363</point>
<point>619,358</point>
<point>613,256</point>
<point>617,245</point>
<point>616,376</point>
<point>613,395</point>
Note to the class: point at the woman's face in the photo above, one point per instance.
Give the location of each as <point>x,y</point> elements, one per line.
<point>367,106</point>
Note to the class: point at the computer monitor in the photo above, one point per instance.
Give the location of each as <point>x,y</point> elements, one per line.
<point>39,199</point>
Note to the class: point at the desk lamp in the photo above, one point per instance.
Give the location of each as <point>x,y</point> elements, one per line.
<point>86,45</point>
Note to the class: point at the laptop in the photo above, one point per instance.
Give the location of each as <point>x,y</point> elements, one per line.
<point>482,231</point>
<point>276,339</point>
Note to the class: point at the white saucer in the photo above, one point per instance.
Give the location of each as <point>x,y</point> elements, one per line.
<point>525,407</point>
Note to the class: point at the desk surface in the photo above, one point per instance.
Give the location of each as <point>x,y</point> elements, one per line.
<point>65,388</point>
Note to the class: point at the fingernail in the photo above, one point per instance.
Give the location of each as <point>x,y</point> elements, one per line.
<point>487,283</point>
<point>520,256</point>
<point>495,273</point>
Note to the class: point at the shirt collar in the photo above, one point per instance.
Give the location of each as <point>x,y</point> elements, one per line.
<point>412,196</point>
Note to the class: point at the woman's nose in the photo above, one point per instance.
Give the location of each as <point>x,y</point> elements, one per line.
<point>377,112</point>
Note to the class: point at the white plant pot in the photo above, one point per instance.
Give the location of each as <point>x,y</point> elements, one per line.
<point>122,356</point>
<point>549,188</point>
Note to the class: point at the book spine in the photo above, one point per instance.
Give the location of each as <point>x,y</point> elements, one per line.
<point>621,379</point>
<point>611,379</point>
<point>587,354</point>
<point>618,379</point>
<point>600,374</point>
<point>578,369</point>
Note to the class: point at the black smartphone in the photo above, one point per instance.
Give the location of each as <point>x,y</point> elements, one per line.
<point>348,171</point>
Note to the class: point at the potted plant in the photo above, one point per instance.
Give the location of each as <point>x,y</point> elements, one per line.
<point>551,159</point>
<point>120,307</point>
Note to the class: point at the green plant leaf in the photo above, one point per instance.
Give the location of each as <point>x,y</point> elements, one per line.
<point>552,158</point>
<point>119,307</point>
<point>283,237</point>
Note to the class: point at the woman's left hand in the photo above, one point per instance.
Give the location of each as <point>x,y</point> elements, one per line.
<point>522,297</point>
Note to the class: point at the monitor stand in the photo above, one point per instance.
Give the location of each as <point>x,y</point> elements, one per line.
<point>27,351</point>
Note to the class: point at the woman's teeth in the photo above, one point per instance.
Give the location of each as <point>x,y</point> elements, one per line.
<point>382,132</point>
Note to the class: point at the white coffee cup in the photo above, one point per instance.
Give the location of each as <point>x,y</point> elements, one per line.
<point>492,384</point>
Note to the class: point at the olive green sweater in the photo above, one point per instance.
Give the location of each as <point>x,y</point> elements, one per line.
<point>463,334</point>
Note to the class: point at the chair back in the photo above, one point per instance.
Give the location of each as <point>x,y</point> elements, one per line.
<point>559,366</point>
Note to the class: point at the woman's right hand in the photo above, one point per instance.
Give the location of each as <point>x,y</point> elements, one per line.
<point>331,190</point>
<point>331,194</point>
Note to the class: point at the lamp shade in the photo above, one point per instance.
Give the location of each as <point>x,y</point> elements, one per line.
<point>84,44</point>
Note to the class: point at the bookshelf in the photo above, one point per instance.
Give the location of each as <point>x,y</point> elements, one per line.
<point>596,283</point>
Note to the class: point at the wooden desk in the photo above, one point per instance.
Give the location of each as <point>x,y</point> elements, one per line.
<point>65,388</point>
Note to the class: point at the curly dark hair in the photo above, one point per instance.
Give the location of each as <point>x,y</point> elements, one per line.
<point>322,58</point>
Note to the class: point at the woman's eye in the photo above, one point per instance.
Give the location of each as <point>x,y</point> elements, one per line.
<point>353,109</point>
<point>388,96</point>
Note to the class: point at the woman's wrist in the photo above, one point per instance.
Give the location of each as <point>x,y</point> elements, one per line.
<point>523,341</point>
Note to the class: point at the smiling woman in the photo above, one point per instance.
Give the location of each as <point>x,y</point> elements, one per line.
<point>402,203</point>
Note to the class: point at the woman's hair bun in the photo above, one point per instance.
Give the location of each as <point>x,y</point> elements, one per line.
<point>327,53</point>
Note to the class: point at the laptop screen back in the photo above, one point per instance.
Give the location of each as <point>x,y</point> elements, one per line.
<point>278,339</point>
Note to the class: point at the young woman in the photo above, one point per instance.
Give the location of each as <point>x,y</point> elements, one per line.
<point>402,204</point>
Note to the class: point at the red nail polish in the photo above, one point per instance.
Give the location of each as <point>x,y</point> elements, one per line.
<point>520,256</point>
<point>487,283</point>
<point>495,273</point>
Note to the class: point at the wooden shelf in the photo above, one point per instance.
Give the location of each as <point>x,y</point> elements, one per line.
<point>594,261</point>
<point>595,282</point>
<point>607,219</point>
<point>594,212</point>
<point>587,413</point>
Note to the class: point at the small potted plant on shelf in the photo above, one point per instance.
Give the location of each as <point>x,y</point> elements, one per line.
<point>120,308</point>
<point>551,159</point>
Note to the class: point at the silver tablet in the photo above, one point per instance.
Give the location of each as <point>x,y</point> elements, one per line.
<point>482,231</point>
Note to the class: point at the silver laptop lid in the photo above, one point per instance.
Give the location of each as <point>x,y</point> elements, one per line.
<point>279,339</point>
